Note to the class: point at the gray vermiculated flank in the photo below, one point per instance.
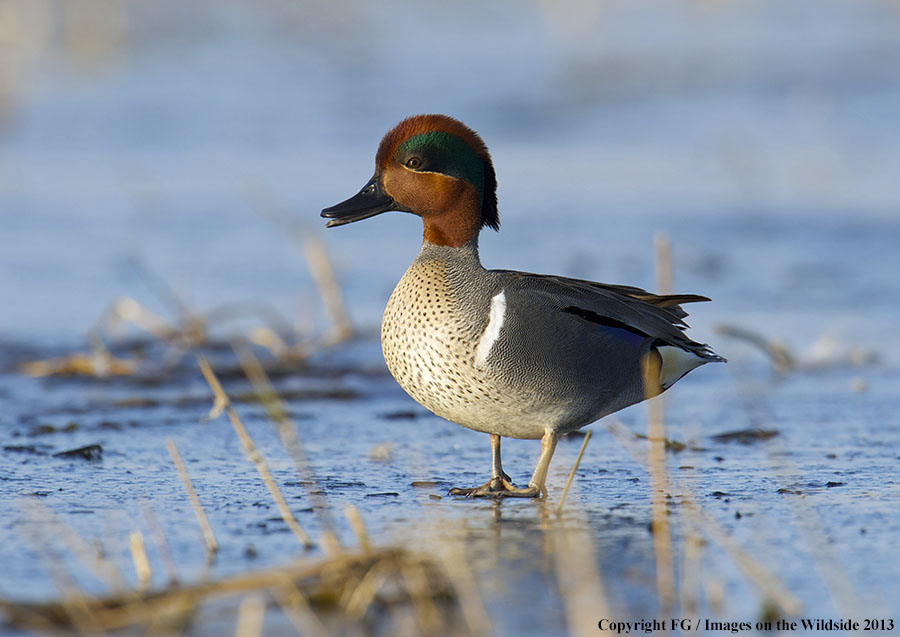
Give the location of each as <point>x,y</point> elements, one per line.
<point>548,367</point>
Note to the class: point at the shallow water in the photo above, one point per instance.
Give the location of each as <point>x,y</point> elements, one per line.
<point>769,161</point>
<point>819,496</point>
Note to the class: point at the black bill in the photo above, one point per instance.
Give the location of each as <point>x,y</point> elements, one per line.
<point>368,202</point>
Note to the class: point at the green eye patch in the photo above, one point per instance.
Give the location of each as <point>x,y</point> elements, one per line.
<point>444,153</point>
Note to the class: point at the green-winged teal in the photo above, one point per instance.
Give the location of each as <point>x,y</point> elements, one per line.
<point>507,353</point>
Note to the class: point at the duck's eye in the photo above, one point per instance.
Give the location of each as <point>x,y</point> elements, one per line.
<point>413,162</point>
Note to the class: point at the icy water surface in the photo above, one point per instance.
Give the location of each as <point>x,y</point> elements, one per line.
<point>179,160</point>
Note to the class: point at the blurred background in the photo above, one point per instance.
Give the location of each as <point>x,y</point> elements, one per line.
<point>172,152</point>
<point>142,136</point>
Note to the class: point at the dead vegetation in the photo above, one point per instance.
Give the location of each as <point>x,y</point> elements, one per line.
<point>372,587</point>
<point>188,330</point>
<point>355,585</point>
<point>377,585</point>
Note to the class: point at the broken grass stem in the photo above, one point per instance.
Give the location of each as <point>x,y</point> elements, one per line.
<point>208,536</point>
<point>221,399</point>
<point>562,500</point>
<point>287,431</point>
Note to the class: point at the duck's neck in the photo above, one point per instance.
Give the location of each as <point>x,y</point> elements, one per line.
<point>468,251</point>
<point>452,214</point>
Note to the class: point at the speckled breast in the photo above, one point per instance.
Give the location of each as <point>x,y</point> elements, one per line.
<point>429,335</point>
<point>427,346</point>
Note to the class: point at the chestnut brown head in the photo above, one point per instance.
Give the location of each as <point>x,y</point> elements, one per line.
<point>433,166</point>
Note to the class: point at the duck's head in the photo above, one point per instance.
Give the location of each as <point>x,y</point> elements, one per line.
<point>435,167</point>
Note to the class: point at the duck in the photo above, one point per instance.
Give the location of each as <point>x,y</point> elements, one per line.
<point>507,353</point>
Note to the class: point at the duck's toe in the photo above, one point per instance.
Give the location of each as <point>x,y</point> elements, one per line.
<point>497,488</point>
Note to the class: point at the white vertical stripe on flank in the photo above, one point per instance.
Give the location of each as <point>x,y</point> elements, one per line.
<point>492,331</point>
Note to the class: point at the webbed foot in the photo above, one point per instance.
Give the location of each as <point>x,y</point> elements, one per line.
<point>500,487</point>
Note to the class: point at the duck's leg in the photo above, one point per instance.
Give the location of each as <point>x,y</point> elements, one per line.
<point>498,476</point>
<point>500,485</point>
<point>537,486</point>
<point>499,480</point>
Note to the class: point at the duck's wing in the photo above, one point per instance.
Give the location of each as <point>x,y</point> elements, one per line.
<point>657,317</point>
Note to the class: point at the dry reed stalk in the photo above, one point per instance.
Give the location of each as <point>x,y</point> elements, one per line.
<point>753,569</point>
<point>662,247</point>
<point>191,328</point>
<point>355,579</point>
<point>812,525</point>
<point>221,398</point>
<point>768,582</point>
<point>104,570</point>
<point>167,296</point>
<point>714,588</point>
<point>208,536</point>
<point>781,357</point>
<point>77,608</point>
<point>659,489</point>
<point>296,608</point>
<point>80,364</point>
<point>359,528</point>
<point>119,612</point>
<point>690,567</point>
<point>562,499</point>
<point>160,542</point>
<point>833,574</point>
<point>357,601</point>
<point>456,565</point>
<point>656,436</point>
<point>414,575</point>
<point>264,390</point>
<point>251,615</point>
<point>580,585</point>
<point>287,431</point>
<point>326,282</point>
<point>265,337</point>
<point>74,604</point>
<point>662,535</point>
<point>93,32</point>
<point>259,309</point>
<point>116,612</point>
<point>139,558</point>
<point>128,310</point>
<point>317,260</point>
